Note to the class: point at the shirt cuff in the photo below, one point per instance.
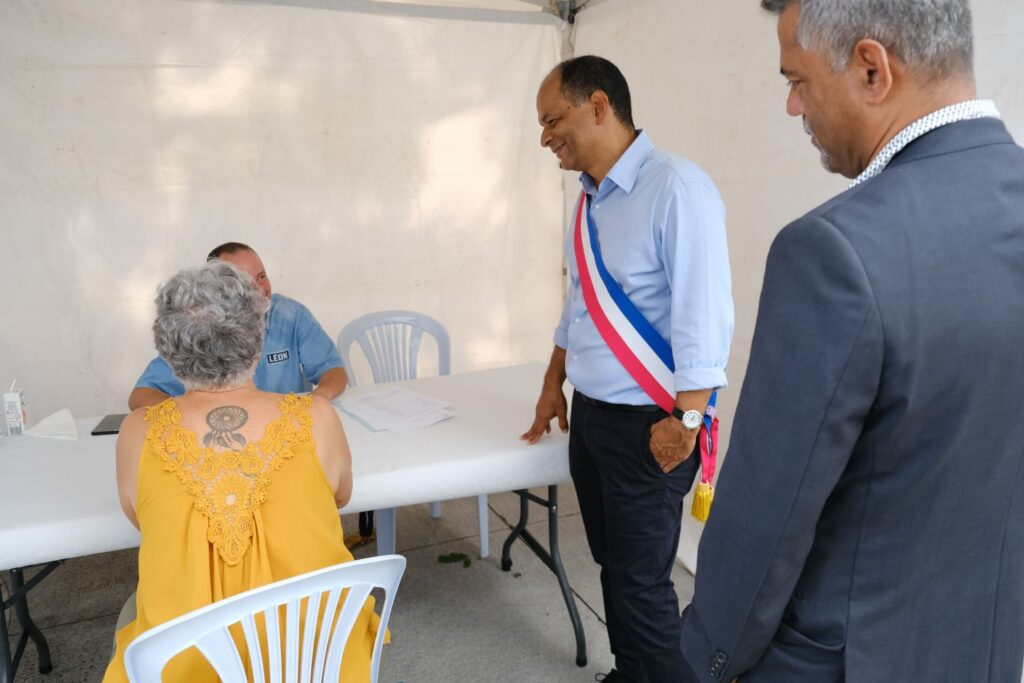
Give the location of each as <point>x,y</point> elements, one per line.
<point>695,379</point>
<point>561,338</point>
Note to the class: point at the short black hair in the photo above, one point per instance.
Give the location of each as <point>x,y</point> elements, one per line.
<point>227,248</point>
<point>581,76</point>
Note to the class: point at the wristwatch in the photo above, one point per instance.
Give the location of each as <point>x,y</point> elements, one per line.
<point>691,419</point>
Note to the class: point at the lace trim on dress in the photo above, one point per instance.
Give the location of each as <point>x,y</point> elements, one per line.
<point>228,486</point>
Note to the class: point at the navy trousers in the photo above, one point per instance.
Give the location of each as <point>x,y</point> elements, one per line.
<point>632,513</point>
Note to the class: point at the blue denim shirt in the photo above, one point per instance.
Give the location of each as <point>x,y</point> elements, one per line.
<point>661,226</point>
<point>296,353</point>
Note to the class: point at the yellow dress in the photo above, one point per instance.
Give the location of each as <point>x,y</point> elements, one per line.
<point>218,523</point>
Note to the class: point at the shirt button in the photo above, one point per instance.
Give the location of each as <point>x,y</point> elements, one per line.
<point>576,320</point>
<point>575,357</point>
<point>597,206</point>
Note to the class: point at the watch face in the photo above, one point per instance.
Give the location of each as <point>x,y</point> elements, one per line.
<point>691,419</point>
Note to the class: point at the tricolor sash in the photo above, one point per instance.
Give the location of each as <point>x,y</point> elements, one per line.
<point>634,341</point>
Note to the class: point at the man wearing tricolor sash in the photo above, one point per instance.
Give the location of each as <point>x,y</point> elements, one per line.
<point>644,340</point>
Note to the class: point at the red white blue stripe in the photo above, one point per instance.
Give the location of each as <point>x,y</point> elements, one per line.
<point>644,353</point>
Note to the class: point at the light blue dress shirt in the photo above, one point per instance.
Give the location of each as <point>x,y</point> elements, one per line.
<point>661,225</point>
<point>296,353</point>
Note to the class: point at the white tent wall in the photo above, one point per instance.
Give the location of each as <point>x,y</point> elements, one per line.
<point>705,84</point>
<point>376,158</point>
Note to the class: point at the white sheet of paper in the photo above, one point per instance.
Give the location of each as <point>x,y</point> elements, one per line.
<point>396,409</point>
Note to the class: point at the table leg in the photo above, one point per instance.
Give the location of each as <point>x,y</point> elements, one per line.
<point>387,536</point>
<point>366,524</point>
<point>482,523</point>
<point>553,559</point>
<point>6,665</point>
<point>19,601</point>
<point>517,530</point>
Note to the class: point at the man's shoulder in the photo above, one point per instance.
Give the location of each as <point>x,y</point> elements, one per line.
<point>156,370</point>
<point>921,186</point>
<point>285,309</point>
<point>843,217</point>
<point>665,167</point>
<point>285,303</point>
<point>860,207</point>
<point>291,317</point>
<point>158,375</point>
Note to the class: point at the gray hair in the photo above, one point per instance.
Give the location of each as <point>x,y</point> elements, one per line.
<point>209,325</point>
<point>931,36</point>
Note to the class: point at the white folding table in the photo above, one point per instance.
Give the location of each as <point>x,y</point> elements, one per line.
<point>59,498</point>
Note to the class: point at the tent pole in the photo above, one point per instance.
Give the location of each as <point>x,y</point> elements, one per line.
<point>567,9</point>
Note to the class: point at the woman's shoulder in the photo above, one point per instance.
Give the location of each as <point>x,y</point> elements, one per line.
<point>134,424</point>
<point>132,432</point>
<point>322,410</point>
<point>292,403</point>
<point>313,411</point>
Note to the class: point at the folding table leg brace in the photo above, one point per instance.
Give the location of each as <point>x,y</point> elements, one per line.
<point>17,600</point>
<point>552,560</point>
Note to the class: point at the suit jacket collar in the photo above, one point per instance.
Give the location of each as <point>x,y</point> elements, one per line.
<point>954,137</point>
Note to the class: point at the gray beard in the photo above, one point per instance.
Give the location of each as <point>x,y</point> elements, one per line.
<point>826,158</point>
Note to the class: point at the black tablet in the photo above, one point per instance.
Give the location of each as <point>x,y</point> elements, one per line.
<point>111,424</point>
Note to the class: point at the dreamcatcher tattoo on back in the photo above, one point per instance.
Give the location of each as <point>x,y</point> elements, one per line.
<point>223,422</point>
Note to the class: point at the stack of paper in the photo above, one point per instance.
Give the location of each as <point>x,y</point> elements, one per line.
<point>396,409</point>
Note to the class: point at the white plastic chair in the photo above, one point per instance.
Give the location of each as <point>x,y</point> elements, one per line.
<point>321,653</point>
<point>391,340</point>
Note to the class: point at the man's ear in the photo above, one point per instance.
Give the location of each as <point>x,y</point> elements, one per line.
<point>873,68</point>
<point>599,103</point>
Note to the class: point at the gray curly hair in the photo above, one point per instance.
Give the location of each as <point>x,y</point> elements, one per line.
<point>932,36</point>
<point>209,325</point>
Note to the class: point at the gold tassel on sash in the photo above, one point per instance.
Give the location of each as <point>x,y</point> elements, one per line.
<point>702,498</point>
<point>708,437</point>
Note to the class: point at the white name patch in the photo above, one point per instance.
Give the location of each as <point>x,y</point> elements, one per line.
<point>278,357</point>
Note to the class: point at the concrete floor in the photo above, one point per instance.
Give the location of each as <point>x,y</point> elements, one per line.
<point>450,623</point>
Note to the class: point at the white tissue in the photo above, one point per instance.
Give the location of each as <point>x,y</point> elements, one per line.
<point>60,425</point>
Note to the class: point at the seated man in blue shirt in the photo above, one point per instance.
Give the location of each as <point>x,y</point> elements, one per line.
<point>296,353</point>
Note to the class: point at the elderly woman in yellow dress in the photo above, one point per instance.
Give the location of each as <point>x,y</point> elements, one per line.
<point>231,487</point>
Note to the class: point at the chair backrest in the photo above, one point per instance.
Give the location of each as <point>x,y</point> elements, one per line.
<point>321,651</point>
<point>391,342</point>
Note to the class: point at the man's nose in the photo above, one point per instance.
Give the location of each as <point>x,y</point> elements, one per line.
<point>794,105</point>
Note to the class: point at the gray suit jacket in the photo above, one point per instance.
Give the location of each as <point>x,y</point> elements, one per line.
<point>869,520</point>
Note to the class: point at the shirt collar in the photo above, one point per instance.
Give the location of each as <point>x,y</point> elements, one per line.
<point>625,171</point>
<point>962,111</point>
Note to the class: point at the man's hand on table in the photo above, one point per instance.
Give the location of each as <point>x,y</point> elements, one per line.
<point>671,443</point>
<point>550,405</point>
<point>331,384</point>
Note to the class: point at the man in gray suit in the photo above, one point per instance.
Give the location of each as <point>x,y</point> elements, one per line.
<point>869,522</point>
